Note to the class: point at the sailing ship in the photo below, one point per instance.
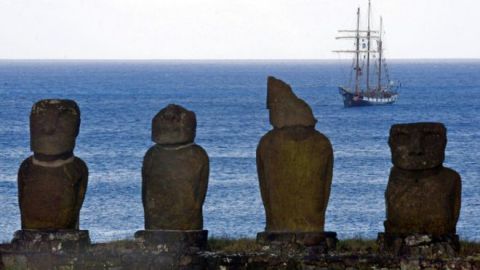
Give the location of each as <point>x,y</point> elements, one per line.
<point>362,89</point>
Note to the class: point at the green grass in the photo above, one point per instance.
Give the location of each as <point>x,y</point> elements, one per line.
<point>224,243</point>
<point>358,245</point>
<point>231,245</point>
<point>118,244</point>
<point>469,248</point>
<point>354,245</point>
<point>246,245</point>
<point>249,245</point>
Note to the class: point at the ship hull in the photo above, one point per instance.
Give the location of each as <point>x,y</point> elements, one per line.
<point>352,100</point>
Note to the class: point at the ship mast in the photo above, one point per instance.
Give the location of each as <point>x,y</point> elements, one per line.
<point>368,91</point>
<point>357,54</point>
<point>380,55</point>
<point>368,47</point>
<point>358,36</point>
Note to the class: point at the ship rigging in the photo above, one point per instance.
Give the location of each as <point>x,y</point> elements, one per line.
<point>363,91</point>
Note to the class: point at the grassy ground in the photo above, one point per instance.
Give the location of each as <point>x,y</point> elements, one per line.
<point>233,245</point>
<point>469,248</point>
<point>359,245</point>
<point>356,245</point>
<point>227,244</point>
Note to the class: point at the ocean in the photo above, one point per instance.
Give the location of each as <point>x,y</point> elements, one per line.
<point>119,98</point>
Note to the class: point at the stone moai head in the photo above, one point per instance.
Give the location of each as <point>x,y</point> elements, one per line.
<point>285,108</point>
<point>54,126</point>
<point>174,125</point>
<point>418,146</point>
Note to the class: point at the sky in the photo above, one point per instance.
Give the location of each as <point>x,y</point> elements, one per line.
<point>230,29</point>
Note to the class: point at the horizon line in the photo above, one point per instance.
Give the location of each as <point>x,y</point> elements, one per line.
<point>220,59</point>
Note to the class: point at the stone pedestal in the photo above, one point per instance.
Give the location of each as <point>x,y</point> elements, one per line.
<point>55,241</point>
<point>172,240</point>
<point>419,245</point>
<point>320,242</point>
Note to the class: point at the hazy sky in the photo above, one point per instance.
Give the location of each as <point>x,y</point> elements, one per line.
<point>229,29</point>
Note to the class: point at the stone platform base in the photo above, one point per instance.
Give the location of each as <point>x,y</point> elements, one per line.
<point>319,242</point>
<point>423,245</point>
<point>54,241</point>
<point>173,240</point>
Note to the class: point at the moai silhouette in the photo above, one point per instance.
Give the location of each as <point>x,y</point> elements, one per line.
<point>422,198</point>
<point>52,183</point>
<point>175,179</point>
<point>294,164</point>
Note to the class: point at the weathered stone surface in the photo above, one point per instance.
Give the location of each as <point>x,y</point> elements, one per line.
<point>419,245</point>
<point>54,126</point>
<point>422,196</point>
<point>174,125</point>
<point>59,241</point>
<point>294,164</point>
<point>51,197</point>
<point>426,201</point>
<point>316,242</point>
<point>175,179</point>
<point>115,256</point>
<point>418,146</point>
<point>285,108</point>
<point>165,241</point>
<point>52,183</point>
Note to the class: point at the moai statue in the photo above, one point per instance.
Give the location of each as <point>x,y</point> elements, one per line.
<point>422,197</point>
<point>52,183</point>
<point>175,179</point>
<point>294,164</point>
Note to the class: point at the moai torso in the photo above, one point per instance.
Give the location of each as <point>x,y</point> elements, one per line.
<point>422,196</point>
<point>175,173</point>
<point>51,197</point>
<point>52,183</point>
<point>174,187</point>
<point>294,163</point>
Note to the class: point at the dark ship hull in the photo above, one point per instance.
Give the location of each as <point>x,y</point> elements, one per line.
<point>352,100</point>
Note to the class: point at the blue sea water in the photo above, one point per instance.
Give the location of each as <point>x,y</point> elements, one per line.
<point>119,98</point>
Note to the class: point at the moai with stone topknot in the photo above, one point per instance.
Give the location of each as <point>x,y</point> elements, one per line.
<point>294,164</point>
<point>52,183</point>
<point>422,197</point>
<point>175,179</point>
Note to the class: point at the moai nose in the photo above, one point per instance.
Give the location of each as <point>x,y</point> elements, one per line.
<point>49,127</point>
<point>416,148</point>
